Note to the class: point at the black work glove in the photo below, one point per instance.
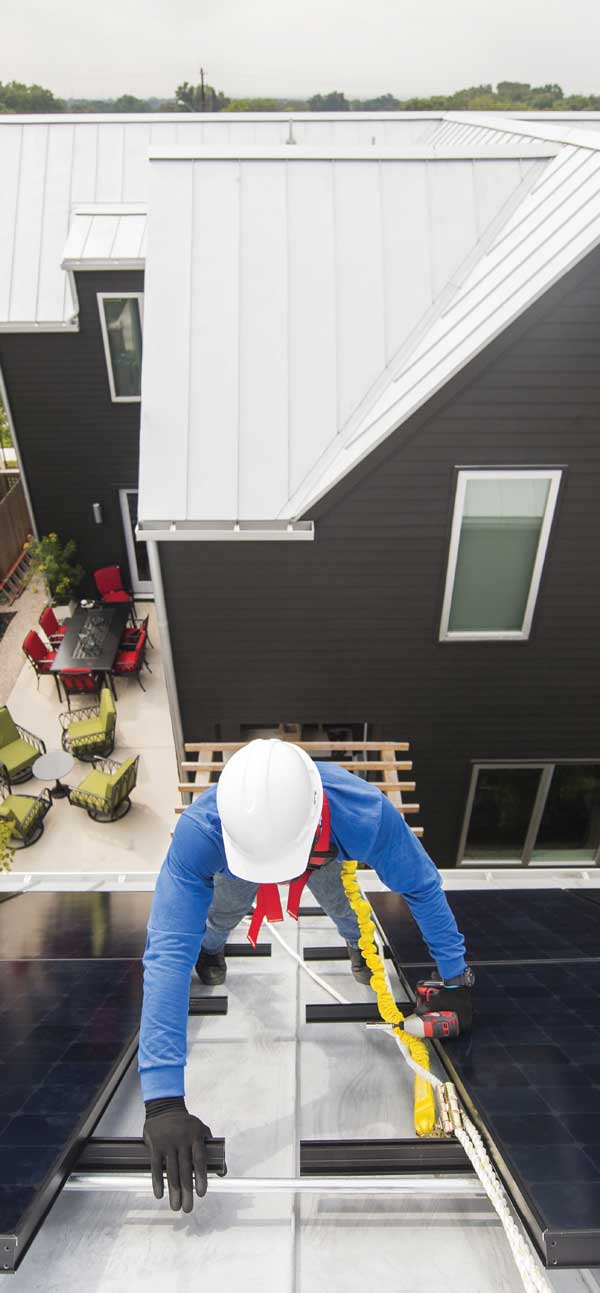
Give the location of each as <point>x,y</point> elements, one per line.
<point>176,1139</point>
<point>447,994</point>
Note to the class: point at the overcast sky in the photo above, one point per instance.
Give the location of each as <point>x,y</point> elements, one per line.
<point>103,48</point>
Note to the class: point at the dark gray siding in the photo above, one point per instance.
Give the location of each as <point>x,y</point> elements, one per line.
<point>346,629</point>
<point>78,447</point>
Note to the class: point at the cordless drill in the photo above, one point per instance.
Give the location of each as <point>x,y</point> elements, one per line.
<point>443,1008</point>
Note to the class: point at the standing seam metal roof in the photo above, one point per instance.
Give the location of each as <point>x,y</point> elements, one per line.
<point>281,288</point>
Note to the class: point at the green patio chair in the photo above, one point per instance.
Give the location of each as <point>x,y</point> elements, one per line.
<point>26,815</point>
<point>19,750</point>
<point>105,792</point>
<point>90,731</point>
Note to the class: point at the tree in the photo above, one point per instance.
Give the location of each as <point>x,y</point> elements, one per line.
<point>5,436</point>
<point>200,98</point>
<point>16,97</point>
<point>513,90</point>
<point>129,103</point>
<point>383,103</point>
<point>254,105</point>
<point>333,102</point>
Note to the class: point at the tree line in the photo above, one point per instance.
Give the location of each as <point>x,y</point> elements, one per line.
<point>507,96</point>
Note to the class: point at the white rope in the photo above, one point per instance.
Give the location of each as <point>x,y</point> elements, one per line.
<point>532,1276</point>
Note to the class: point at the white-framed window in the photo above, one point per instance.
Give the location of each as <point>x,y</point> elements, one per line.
<point>500,530</point>
<point>122,322</point>
<point>532,813</point>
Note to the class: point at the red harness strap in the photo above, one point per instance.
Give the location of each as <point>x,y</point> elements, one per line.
<point>268,902</point>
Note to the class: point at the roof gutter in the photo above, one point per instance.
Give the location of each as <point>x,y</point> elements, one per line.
<point>153,532</point>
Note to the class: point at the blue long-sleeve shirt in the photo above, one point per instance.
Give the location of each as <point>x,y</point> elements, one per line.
<point>364,825</point>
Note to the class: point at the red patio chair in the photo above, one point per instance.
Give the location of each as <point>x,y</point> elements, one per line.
<point>131,636</point>
<point>130,662</point>
<point>110,585</point>
<point>40,658</point>
<point>53,630</point>
<point>77,682</point>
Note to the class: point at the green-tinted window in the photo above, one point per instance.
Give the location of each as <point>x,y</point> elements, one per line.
<point>570,826</point>
<point>124,330</point>
<point>501,812</point>
<point>499,537</point>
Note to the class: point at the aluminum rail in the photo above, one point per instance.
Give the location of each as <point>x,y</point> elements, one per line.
<point>438,1186</point>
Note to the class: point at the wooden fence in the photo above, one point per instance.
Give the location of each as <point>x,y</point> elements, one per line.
<point>15,525</point>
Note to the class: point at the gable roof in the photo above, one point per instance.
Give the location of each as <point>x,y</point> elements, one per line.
<point>283,288</point>
<point>551,230</point>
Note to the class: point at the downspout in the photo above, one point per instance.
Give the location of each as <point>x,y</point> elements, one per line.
<point>167,654</point>
<point>4,398</point>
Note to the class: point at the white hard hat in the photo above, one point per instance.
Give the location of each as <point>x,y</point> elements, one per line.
<point>269,798</point>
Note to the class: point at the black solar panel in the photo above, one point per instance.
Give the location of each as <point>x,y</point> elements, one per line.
<point>500,925</point>
<point>66,925</point>
<point>592,895</point>
<point>530,1072</point>
<point>69,1029</point>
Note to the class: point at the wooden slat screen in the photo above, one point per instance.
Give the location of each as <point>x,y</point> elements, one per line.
<point>374,756</point>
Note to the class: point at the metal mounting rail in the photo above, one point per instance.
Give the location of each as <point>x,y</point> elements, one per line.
<point>126,1156</point>
<point>438,1186</point>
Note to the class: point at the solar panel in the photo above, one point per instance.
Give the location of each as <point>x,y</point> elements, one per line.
<point>530,1075</point>
<point>66,925</point>
<point>500,925</point>
<point>69,1029</point>
<point>592,895</point>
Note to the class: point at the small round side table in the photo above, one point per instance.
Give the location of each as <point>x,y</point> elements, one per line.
<point>51,767</point>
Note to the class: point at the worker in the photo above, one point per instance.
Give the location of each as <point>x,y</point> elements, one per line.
<point>274,817</point>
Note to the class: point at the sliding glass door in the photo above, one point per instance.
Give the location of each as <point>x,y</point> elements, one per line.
<point>137,552</point>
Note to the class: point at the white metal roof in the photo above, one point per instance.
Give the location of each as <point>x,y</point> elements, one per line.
<point>51,165</point>
<point>281,288</point>
<point>552,229</point>
<point>111,237</point>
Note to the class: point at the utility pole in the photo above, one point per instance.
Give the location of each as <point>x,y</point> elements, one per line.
<point>202,91</point>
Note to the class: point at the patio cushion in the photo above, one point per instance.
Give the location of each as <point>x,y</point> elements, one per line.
<point>87,728</point>
<point>122,771</point>
<point>97,784</point>
<point>8,731</point>
<point>107,707</point>
<point>20,806</point>
<point>18,755</point>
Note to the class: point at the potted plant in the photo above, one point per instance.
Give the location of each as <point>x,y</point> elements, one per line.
<point>6,853</point>
<point>55,565</point>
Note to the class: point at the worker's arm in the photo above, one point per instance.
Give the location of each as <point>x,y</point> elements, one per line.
<point>175,931</point>
<point>400,860</point>
<point>176,1138</point>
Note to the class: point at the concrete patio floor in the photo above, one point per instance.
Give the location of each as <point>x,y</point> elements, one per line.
<point>71,841</point>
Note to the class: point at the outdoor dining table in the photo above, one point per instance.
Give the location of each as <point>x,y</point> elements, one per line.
<point>92,639</point>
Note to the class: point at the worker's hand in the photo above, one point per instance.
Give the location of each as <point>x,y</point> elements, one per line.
<point>443,1008</point>
<point>176,1140</point>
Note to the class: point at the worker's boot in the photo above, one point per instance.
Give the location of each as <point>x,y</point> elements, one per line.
<point>358,965</point>
<point>211,968</point>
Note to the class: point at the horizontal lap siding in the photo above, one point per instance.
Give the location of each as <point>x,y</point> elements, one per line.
<point>78,447</point>
<point>345,629</point>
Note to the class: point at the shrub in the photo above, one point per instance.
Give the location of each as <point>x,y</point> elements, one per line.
<point>55,565</point>
<point>6,853</point>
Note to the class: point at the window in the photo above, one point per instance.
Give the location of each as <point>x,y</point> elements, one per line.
<point>121,319</point>
<point>544,813</point>
<point>498,542</point>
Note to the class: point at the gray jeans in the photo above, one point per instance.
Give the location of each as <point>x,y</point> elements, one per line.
<point>233,898</point>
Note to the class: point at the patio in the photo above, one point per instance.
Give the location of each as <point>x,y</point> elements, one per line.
<point>71,841</point>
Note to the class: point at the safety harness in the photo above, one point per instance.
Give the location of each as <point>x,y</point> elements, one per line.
<point>268,901</point>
